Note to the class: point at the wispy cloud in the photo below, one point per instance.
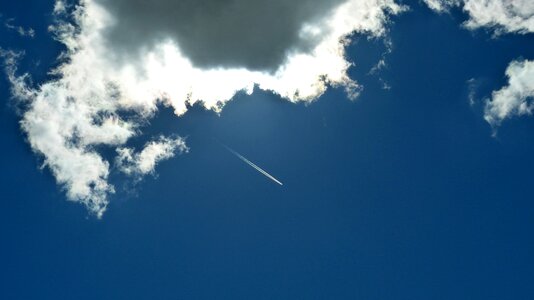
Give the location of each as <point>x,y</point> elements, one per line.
<point>24,32</point>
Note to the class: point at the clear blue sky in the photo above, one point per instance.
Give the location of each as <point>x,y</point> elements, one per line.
<point>402,194</point>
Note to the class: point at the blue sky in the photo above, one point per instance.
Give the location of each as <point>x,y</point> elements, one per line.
<point>403,193</point>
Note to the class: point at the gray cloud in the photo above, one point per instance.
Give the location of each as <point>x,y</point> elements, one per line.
<point>255,34</point>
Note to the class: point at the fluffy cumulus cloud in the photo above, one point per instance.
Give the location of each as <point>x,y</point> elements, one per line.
<point>504,16</point>
<point>124,59</point>
<point>514,99</point>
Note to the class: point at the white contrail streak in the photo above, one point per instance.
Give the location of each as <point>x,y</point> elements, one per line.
<point>253,165</point>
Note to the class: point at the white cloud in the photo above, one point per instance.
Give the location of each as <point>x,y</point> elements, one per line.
<point>514,99</point>
<point>70,118</point>
<point>144,162</point>
<point>60,7</point>
<point>472,86</point>
<point>441,5</point>
<point>504,16</point>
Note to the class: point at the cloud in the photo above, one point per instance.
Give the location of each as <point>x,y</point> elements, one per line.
<point>254,34</point>
<point>24,32</point>
<point>144,162</point>
<point>441,5</point>
<point>108,81</point>
<point>514,99</point>
<point>472,85</point>
<point>504,16</point>
<point>60,7</point>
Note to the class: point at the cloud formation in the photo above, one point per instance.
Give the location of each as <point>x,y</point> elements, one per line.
<point>504,16</point>
<point>501,16</point>
<point>108,81</point>
<point>144,162</point>
<point>514,99</point>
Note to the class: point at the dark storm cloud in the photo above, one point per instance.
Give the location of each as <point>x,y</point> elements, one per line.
<point>256,34</point>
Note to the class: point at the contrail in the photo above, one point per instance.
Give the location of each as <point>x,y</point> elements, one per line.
<point>252,164</point>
